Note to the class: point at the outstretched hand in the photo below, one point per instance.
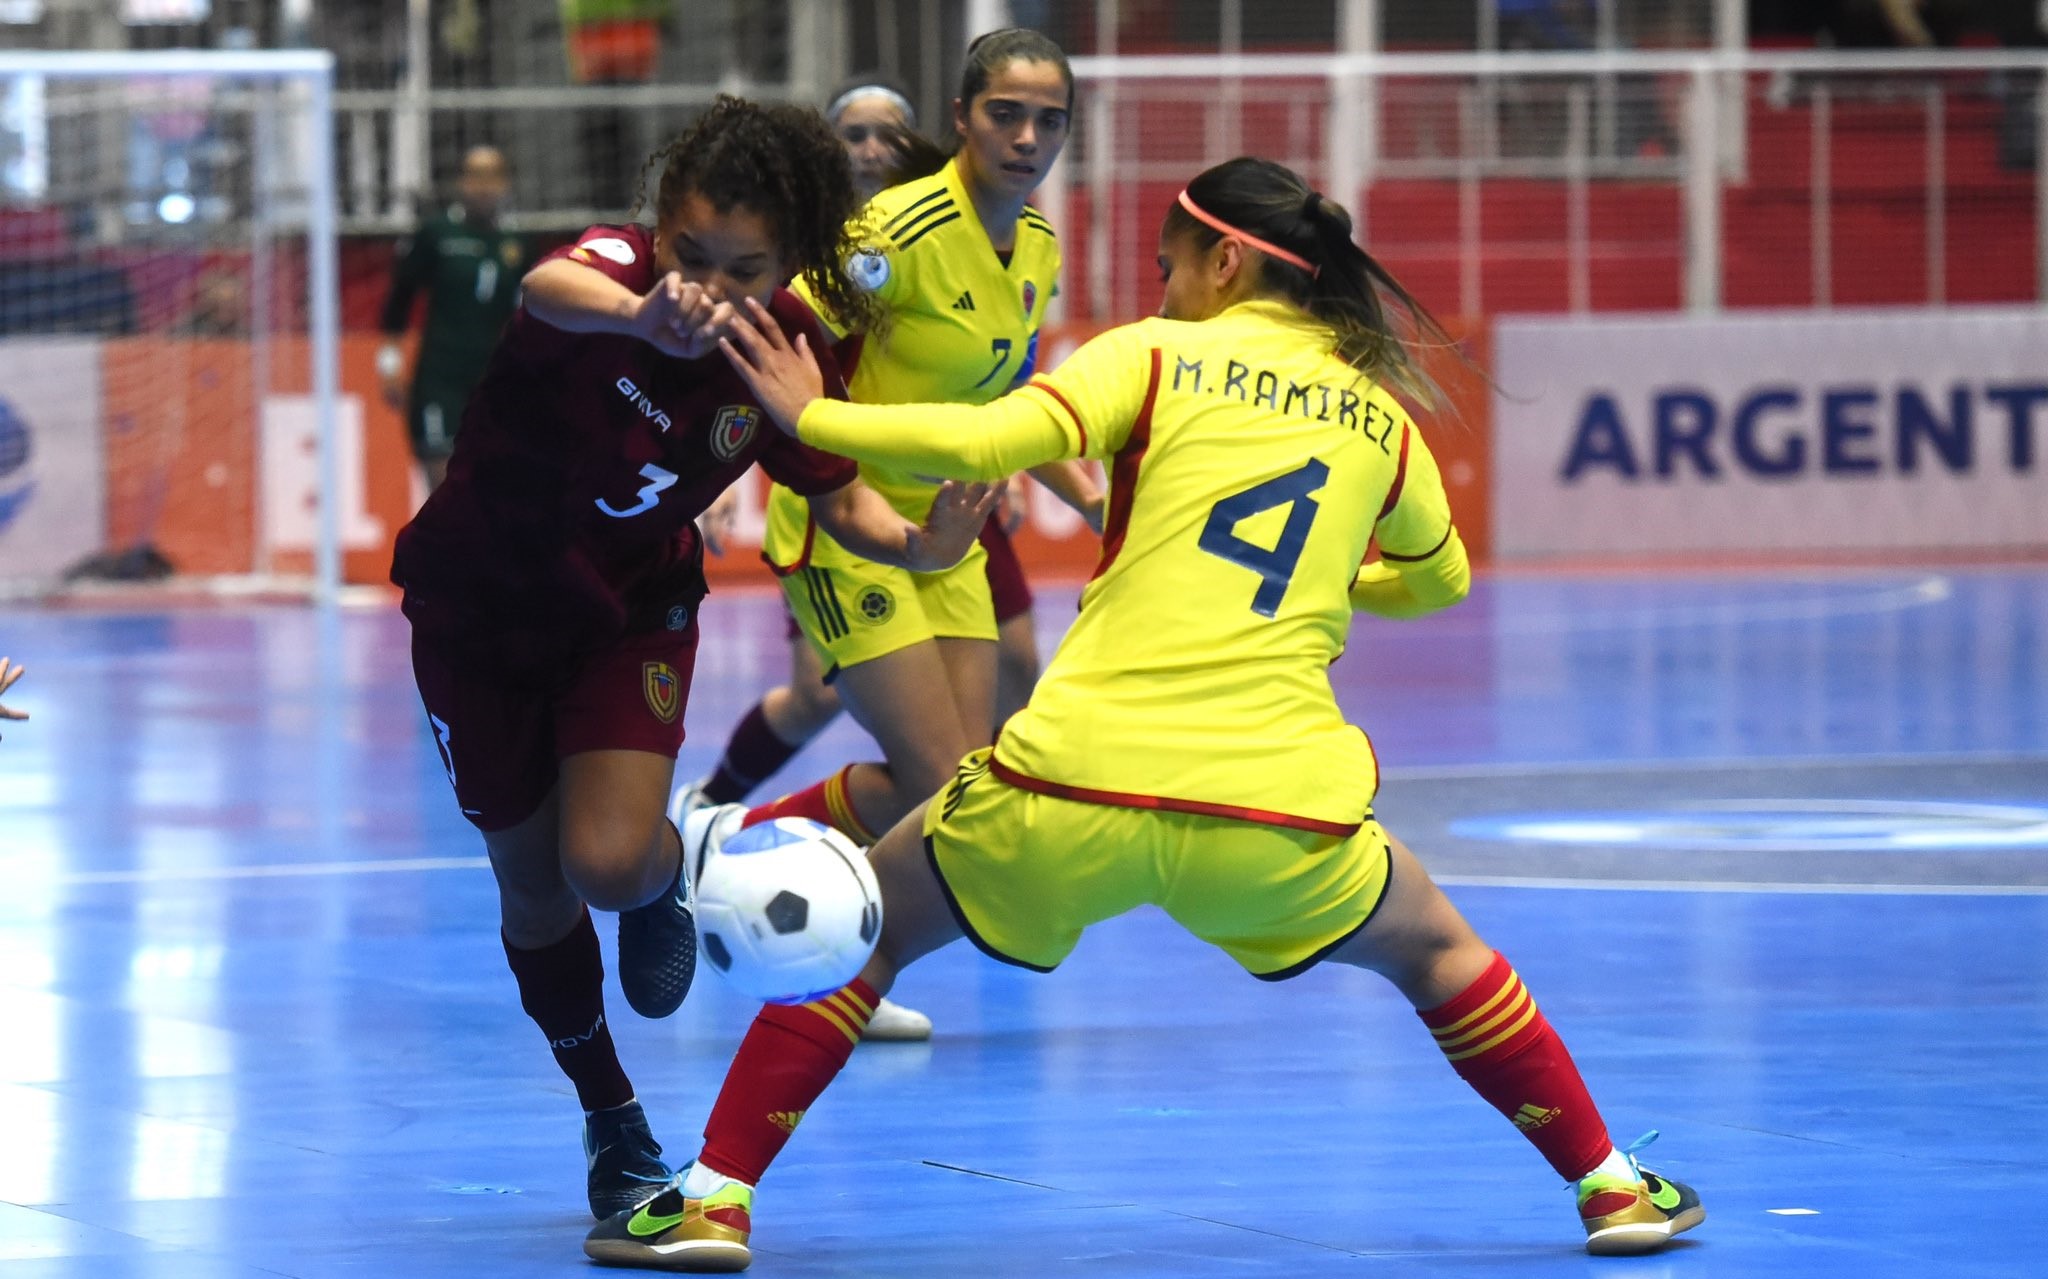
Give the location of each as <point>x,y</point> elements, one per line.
<point>951,527</point>
<point>784,378</point>
<point>10,672</point>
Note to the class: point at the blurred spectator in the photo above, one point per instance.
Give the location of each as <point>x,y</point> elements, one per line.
<point>2018,24</point>
<point>470,270</point>
<point>220,307</point>
<point>1880,24</point>
<point>1545,24</point>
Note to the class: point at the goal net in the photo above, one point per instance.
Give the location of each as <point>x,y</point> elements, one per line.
<point>168,405</point>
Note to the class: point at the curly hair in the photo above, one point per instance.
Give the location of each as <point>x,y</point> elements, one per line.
<point>785,164</point>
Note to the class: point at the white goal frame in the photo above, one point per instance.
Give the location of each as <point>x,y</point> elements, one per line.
<point>313,68</point>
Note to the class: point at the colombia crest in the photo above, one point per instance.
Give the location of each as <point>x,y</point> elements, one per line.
<point>664,691</point>
<point>733,429</point>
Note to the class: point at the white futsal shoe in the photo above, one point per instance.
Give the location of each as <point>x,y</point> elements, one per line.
<point>686,799</point>
<point>705,828</point>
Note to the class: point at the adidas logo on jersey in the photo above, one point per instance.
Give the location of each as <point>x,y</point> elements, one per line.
<point>965,302</point>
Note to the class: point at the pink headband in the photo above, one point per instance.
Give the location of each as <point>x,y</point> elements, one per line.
<point>1264,246</point>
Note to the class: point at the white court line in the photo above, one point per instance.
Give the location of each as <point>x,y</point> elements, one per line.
<point>1745,886</point>
<point>280,870</point>
<point>1723,763</point>
<point>1931,589</point>
<point>286,870</point>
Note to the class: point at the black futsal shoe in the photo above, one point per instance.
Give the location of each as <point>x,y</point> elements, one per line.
<point>658,949</point>
<point>624,1160</point>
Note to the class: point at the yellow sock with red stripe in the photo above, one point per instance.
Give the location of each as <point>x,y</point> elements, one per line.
<point>1499,1042</point>
<point>829,802</point>
<point>788,1057</point>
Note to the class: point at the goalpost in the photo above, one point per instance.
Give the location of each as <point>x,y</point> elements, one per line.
<point>169,316</point>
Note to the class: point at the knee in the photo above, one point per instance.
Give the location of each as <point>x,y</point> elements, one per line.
<point>927,770</point>
<point>533,920</point>
<point>612,864</point>
<point>812,706</point>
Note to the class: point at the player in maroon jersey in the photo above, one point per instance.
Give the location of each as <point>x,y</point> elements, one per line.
<point>553,580</point>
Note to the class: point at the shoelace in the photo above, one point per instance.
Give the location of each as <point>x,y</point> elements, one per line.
<point>1629,1151</point>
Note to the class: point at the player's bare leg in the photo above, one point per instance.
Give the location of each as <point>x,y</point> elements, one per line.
<point>782,723</point>
<point>536,905</point>
<point>1490,1028</point>
<point>800,709</point>
<point>926,706</point>
<point>702,1222</point>
<point>620,853</point>
<point>618,849</point>
<point>554,955</point>
<point>1016,665</point>
<point>906,702</point>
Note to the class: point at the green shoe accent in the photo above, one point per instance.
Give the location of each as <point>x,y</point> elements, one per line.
<point>645,1224</point>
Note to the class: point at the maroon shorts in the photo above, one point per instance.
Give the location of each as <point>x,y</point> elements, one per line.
<point>502,742</point>
<point>1005,574</point>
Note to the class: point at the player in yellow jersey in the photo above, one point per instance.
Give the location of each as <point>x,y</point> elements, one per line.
<point>1184,746</point>
<point>963,268</point>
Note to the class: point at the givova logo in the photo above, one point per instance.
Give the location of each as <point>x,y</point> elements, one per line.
<point>17,485</point>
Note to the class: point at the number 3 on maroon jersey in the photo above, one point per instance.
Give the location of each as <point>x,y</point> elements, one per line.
<point>658,480</point>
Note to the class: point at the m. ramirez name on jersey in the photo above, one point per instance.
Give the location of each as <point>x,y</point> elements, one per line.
<point>1785,431</point>
<point>1316,401</point>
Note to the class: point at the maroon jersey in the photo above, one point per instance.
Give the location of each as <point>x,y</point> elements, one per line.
<point>567,516</point>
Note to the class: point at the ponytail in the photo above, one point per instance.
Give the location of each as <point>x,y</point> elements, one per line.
<point>1270,207</point>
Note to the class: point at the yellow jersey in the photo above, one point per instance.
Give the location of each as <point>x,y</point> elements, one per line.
<point>962,325</point>
<point>1250,469</point>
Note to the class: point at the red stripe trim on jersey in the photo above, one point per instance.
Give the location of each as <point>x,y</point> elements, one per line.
<point>1167,804</point>
<point>1039,384</point>
<point>1386,554</point>
<point>1400,474</point>
<point>803,557</point>
<point>1123,476</point>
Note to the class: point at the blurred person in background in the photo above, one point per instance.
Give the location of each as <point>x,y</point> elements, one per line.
<point>220,307</point>
<point>469,269</point>
<point>872,115</point>
<point>1880,24</point>
<point>2018,24</point>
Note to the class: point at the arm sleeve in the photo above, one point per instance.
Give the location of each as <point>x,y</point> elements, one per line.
<point>1422,565</point>
<point>955,441</point>
<point>624,253</point>
<point>408,274</point>
<point>1085,409</point>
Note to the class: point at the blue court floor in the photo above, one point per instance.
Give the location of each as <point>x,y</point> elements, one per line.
<point>1771,850</point>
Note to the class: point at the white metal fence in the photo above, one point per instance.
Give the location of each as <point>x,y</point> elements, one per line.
<point>1880,177</point>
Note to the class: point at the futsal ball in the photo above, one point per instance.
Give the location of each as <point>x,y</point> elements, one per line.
<point>788,910</point>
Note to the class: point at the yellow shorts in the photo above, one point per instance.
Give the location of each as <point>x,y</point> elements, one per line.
<point>855,611</point>
<point>1025,873</point>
